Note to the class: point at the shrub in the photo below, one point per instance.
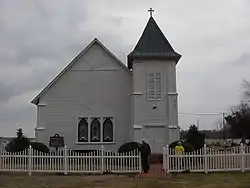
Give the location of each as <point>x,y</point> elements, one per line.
<point>130,146</point>
<point>17,144</point>
<point>188,147</point>
<point>173,144</point>
<point>39,147</point>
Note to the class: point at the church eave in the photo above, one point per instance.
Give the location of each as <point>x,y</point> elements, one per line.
<point>153,56</point>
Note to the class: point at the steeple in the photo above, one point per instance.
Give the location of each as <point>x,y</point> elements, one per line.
<point>152,45</point>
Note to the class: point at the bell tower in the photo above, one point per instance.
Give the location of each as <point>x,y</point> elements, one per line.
<point>154,108</point>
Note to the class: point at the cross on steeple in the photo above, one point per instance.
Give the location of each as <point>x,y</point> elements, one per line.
<point>150,11</point>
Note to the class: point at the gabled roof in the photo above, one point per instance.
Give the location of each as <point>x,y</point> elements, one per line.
<point>153,45</point>
<point>95,41</point>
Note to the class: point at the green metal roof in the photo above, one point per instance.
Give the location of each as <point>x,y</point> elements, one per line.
<point>153,45</point>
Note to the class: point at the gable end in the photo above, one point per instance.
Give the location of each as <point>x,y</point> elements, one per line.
<point>95,41</point>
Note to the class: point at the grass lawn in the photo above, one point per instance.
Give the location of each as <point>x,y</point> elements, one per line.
<point>192,180</point>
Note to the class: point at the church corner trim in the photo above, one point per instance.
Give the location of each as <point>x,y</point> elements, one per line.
<point>95,41</point>
<point>137,126</point>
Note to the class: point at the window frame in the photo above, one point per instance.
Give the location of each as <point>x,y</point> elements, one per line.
<point>102,132</point>
<point>89,120</point>
<point>90,126</point>
<point>79,120</point>
<point>155,94</point>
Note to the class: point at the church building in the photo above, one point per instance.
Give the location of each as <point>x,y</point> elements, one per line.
<point>98,100</point>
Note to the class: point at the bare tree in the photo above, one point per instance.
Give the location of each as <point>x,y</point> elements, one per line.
<point>239,121</point>
<point>218,125</point>
<point>246,89</point>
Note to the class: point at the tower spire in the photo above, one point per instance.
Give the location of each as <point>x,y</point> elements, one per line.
<point>152,45</point>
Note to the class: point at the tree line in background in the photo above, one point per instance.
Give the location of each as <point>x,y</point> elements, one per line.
<point>237,122</point>
<point>211,134</point>
<point>236,125</point>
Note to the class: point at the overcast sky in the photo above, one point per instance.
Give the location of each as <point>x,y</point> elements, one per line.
<point>39,38</point>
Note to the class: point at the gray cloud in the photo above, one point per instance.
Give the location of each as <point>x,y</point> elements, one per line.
<point>39,38</point>
<point>243,60</point>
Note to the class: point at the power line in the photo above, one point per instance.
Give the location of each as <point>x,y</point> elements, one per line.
<point>189,113</point>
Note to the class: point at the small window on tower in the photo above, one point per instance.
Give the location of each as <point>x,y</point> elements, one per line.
<point>154,86</point>
<point>150,86</point>
<point>158,89</point>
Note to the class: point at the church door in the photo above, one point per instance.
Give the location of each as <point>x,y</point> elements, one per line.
<point>155,137</point>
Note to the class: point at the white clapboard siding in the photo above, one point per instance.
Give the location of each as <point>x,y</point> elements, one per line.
<point>207,160</point>
<point>69,161</point>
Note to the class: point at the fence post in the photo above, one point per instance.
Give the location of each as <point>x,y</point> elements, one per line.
<point>164,153</point>
<point>1,159</point>
<point>167,159</point>
<point>242,149</point>
<point>29,160</point>
<point>102,159</point>
<point>65,160</point>
<point>140,163</point>
<point>205,158</point>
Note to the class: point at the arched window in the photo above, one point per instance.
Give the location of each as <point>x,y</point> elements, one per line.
<point>95,129</point>
<point>108,130</point>
<point>83,130</point>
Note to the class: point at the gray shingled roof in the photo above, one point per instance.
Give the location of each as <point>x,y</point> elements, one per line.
<point>152,45</point>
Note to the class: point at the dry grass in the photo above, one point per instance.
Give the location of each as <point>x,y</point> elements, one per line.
<point>214,180</point>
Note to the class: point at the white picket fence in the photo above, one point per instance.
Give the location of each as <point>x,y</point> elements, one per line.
<point>207,160</point>
<point>68,161</point>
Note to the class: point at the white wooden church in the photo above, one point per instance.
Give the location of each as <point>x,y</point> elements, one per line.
<point>98,100</point>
